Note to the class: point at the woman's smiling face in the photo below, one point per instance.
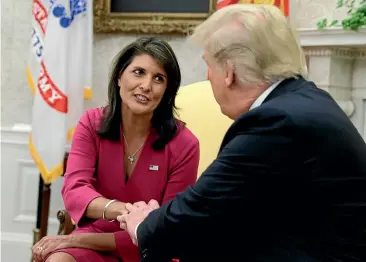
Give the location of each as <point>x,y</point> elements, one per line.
<point>142,85</point>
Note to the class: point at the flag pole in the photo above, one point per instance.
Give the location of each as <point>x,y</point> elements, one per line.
<point>43,207</point>
<point>36,230</point>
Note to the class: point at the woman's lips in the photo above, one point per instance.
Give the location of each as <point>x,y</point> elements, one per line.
<point>141,98</point>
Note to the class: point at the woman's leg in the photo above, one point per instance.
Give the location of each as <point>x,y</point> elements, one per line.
<point>80,255</point>
<point>60,257</point>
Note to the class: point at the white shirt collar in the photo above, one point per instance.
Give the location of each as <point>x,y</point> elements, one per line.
<point>264,95</point>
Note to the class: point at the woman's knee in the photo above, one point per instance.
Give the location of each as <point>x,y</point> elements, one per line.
<point>60,257</point>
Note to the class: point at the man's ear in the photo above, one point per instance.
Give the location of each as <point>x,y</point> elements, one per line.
<point>230,74</point>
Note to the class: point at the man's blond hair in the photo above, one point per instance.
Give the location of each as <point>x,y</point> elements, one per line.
<point>257,40</point>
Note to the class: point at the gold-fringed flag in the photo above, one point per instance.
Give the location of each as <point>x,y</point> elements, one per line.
<point>59,74</point>
<point>283,5</point>
<point>222,3</point>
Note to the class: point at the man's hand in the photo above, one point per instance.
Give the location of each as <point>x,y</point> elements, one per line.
<point>136,214</point>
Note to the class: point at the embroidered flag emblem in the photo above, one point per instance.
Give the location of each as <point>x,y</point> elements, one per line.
<point>154,168</point>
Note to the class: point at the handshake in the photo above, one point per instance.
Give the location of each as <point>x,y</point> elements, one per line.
<point>134,214</point>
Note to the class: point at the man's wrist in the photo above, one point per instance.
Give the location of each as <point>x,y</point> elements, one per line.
<point>136,230</point>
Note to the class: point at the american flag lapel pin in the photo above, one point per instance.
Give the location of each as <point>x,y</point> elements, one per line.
<point>153,167</point>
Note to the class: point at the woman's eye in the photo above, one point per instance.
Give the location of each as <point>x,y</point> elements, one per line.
<point>159,79</point>
<point>138,72</point>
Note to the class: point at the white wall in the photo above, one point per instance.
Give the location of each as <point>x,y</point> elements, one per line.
<point>19,177</point>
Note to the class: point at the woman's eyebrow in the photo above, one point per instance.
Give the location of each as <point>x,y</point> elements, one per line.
<point>160,74</point>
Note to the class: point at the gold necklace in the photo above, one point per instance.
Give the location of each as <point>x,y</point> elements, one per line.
<point>131,157</point>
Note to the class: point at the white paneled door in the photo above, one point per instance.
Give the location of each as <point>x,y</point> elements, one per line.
<point>19,194</point>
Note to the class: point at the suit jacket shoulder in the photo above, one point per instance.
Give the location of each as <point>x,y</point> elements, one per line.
<point>295,108</point>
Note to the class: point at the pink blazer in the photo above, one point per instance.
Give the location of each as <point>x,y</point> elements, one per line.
<point>95,168</point>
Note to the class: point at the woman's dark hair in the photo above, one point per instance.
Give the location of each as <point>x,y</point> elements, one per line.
<point>163,120</point>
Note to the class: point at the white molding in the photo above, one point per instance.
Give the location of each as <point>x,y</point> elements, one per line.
<point>32,219</point>
<point>337,37</point>
<point>359,93</point>
<point>14,136</point>
<point>350,53</point>
<point>18,134</point>
<point>347,106</point>
<point>16,237</point>
<point>16,247</point>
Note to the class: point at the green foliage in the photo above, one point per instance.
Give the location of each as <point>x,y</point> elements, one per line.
<point>356,16</point>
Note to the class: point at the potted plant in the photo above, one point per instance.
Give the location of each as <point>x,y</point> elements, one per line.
<point>355,19</point>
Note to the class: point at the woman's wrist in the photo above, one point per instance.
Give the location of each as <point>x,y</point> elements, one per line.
<point>114,209</point>
<point>74,241</point>
<point>93,241</point>
<point>80,241</point>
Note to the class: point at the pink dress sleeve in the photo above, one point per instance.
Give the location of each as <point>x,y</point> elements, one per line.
<point>78,190</point>
<point>184,173</point>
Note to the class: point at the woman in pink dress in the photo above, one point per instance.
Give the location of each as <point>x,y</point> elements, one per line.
<point>132,150</point>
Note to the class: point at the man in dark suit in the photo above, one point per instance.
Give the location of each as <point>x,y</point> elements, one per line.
<point>289,182</point>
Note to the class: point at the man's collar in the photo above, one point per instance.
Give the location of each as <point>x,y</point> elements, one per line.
<point>264,95</point>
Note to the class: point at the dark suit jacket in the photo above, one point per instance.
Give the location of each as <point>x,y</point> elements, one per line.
<point>288,185</point>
